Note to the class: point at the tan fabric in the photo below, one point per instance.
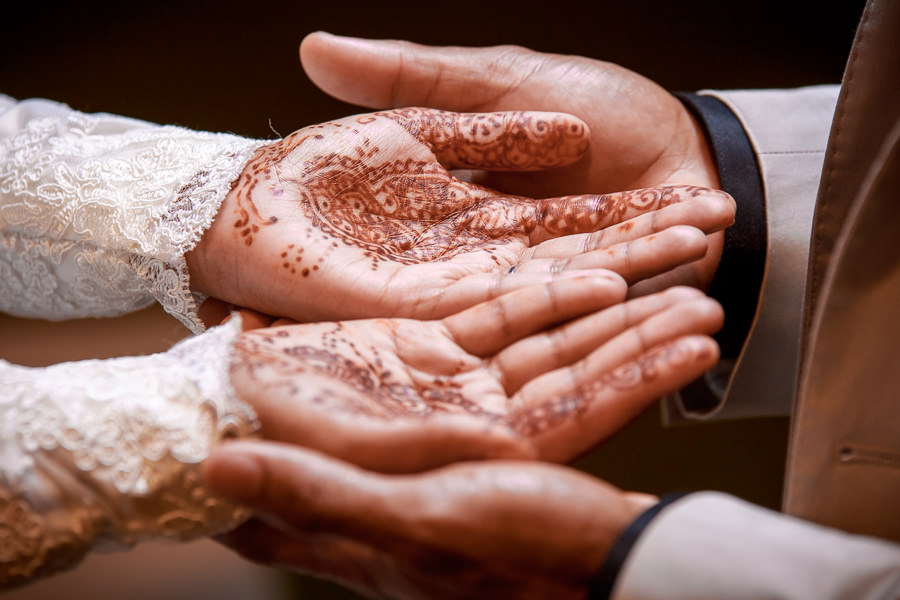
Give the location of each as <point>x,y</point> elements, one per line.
<point>788,130</point>
<point>711,546</point>
<point>844,458</point>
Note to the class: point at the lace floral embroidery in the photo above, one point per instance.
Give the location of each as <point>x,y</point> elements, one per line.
<point>98,211</point>
<point>107,453</point>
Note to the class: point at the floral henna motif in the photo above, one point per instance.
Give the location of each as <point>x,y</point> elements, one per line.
<point>248,219</point>
<point>511,140</point>
<point>364,385</point>
<point>535,420</point>
<point>412,211</point>
<point>406,211</point>
<point>546,415</point>
<point>375,391</point>
<point>582,214</point>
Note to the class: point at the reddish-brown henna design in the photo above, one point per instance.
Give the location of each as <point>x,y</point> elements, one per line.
<point>511,140</point>
<point>364,385</point>
<point>534,420</point>
<point>360,382</point>
<point>411,210</point>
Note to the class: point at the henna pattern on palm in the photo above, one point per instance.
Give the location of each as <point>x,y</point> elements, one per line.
<point>412,210</point>
<point>363,217</point>
<point>361,381</point>
<point>334,371</point>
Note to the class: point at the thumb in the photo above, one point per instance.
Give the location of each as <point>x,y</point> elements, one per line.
<point>298,486</point>
<point>391,73</point>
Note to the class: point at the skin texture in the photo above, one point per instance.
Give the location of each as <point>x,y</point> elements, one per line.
<point>543,372</point>
<point>492,529</point>
<point>641,136</point>
<point>366,210</point>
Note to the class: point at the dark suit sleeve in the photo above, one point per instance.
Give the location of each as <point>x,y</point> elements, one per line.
<point>737,282</point>
<point>602,584</point>
<point>769,146</point>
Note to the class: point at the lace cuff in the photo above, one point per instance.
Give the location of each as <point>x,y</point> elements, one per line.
<point>102,454</point>
<point>97,211</point>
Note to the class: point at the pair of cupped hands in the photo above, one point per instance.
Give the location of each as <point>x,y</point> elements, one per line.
<point>454,287</point>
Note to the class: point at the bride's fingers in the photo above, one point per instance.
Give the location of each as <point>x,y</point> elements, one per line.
<point>483,287</point>
<point>562,427</point>
<point>697,274</point>
<point>573,407</point>
<point>582,214</point>
<point>700,315</point>
<point>634,260</point>
<point>507,141</point>
<point>486,328</point>
<point>563,346</point>
<point>707,212</point>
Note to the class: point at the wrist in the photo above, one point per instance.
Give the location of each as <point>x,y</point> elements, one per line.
<point>603,582</point>
<point>205,259</point>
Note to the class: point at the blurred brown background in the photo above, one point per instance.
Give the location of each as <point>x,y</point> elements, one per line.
<point>229,66</point>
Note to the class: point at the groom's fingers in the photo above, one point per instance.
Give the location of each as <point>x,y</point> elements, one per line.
<point>384,73</point>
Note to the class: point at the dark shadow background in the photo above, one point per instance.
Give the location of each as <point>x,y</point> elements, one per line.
<point>228,66</point>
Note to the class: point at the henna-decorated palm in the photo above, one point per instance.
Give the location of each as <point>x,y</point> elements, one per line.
<point>361,217</point>
<point>511,377</point>
<point>641,135</point>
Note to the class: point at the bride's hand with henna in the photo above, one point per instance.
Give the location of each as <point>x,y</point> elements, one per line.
<point>362,217</point>
<point>543,372</point>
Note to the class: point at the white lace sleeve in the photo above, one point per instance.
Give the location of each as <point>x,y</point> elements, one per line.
<point>102,454</point>
<point>97,211</point>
